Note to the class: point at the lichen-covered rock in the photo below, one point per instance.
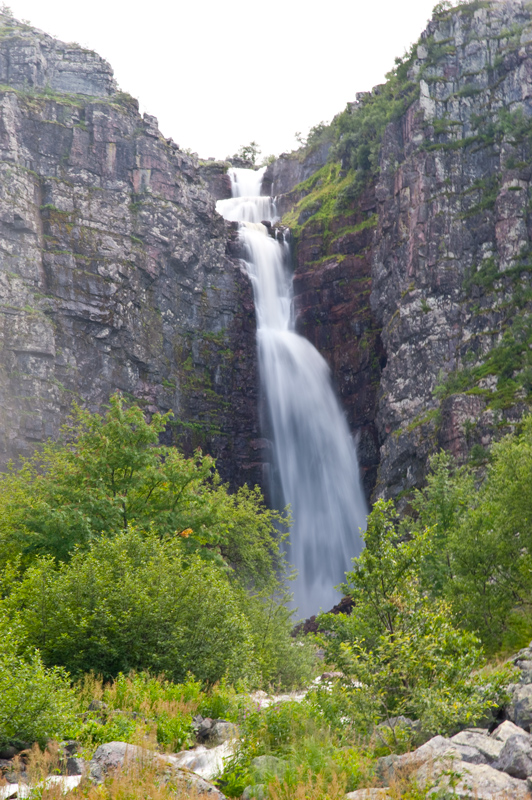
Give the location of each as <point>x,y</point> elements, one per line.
<point>486,745</point>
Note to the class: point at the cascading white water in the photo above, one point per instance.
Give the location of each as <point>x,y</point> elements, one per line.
<point>314,452</point>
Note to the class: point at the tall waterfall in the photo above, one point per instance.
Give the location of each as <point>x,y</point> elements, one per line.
<point>315,456</point>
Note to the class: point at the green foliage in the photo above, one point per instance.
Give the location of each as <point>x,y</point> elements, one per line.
<point>137,705</point>
<point>36,703</point>
<point>510,361</point>
<point>399,645</point>
<point>249,152</point>
<point>134,602</point>
<point>359,129</point>
<point>310,752</point>
<point>109,473</point>
<point>479,559</point>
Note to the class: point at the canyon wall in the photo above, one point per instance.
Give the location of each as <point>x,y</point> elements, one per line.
<point>114,271</point>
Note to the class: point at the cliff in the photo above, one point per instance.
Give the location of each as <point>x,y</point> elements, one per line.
<point>114,272</point>
<point>413,246</point>
<point>410,216</point>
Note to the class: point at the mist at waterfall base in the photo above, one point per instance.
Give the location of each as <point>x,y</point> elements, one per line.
<point>315,457</point>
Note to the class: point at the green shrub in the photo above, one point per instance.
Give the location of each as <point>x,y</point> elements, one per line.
<point>36,703</point>
<point>399,645</point>
<point>135,602</point>
<point>132,602</point>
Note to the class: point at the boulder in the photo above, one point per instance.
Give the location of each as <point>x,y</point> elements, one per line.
<point>223,732</point>
<point>98,705</point>
<point>516,757</point>
<point>466,781</point>
<point>75,766</point>
<point>520,709</point>
<point>204,761</point>
<point>368,794</point>
<point>480,740</point>
<point>113,756</point>
<point>525,667</point>
<point>505,730</point>
<point>213,731</point>
<point>435,748</point>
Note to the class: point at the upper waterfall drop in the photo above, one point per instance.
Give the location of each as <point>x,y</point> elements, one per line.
<point>315,456</point>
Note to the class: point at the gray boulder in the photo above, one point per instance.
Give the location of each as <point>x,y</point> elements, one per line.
<point>479,781</point>
<point>115,756</point>
<point>436,747</point>
<point>368,794</point>
<point>111,757</point>
<point>223,732</point>
<point>520,709</point>
<point>526,670</point>
<point>516,756</point>
<point>505,730</point>
<point>481,741</point>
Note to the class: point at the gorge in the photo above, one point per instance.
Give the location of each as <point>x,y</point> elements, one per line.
<point>411,240</point>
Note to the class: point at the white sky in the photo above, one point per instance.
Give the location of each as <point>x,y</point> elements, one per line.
<point>220,73</point>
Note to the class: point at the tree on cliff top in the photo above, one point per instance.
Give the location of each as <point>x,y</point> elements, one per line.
<point>109,472</point>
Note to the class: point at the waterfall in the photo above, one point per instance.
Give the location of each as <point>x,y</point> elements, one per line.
<point>315,457</point>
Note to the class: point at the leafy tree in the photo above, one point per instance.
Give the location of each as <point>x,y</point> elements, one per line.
<point>109,473</point>
<point>249,152</point>
<point>480,554</point>
<point>440,506</point>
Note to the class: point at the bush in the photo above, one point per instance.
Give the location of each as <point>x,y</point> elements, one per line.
<point>134,602</point>
<point>399,645</point>
<point>35,703</point>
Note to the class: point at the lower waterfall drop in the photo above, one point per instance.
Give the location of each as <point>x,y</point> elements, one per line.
<point>315,456</point>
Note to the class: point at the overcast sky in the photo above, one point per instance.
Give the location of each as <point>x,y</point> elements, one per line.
<point>220,73</point>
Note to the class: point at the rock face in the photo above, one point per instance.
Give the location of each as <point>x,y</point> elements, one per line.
<point>424,315</point>
<point>114,272</point>
<point>451,249</point>
<point>118,274</point>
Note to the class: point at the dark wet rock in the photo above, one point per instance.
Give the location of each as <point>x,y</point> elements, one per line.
<point>75,766</point>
